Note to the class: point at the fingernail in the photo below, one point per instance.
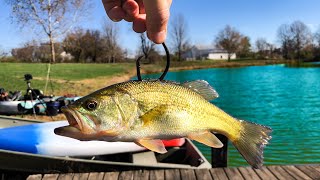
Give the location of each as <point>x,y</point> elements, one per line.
<point>159,37</point>
<point>116,19</point>
<point>116,14</point>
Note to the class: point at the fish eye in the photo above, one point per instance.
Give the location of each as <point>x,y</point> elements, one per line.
<point>91,105</point>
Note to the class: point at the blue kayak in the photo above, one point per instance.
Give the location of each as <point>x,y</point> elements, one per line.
<point>39,138</point>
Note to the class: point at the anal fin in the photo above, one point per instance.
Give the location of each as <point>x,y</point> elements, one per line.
<point>153,145</point>
<point>206,138</point>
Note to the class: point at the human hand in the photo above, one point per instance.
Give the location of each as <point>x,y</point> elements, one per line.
<point>147,15</point>
<point>4,94</point>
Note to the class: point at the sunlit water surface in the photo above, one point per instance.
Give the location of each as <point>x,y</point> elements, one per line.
<point>286,99</point>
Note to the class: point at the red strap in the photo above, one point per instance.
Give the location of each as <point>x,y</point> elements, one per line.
<point>174,142</point>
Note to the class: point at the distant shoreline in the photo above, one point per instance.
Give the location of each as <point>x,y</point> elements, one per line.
<point>88,85</point>
<point>191,65</point>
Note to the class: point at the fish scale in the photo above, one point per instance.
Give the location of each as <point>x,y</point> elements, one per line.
<point>155,93</point>
<point>146,111</point>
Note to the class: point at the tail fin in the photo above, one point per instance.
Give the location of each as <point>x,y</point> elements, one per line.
<point>253,138</point>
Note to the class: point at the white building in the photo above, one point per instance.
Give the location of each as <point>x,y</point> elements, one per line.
<point>200,52</point>
<point>66,56</point>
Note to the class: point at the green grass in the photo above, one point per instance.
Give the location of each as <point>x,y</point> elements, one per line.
<point>88,71</point>
<point>66,78</point>
<point>302,65</point>
<point>12,74</point>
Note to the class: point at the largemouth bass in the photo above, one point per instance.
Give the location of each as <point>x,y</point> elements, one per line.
<point>147,111</point>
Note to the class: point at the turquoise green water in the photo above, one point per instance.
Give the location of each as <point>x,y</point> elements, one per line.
<point>286,99</point>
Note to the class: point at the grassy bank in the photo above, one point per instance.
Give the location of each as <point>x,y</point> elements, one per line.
<point>189,65</point>
<point>65,78</point>
<point>80,79</point>
<point>296,64</point>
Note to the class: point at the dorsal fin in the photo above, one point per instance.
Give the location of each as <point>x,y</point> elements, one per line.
<point>203,88</point>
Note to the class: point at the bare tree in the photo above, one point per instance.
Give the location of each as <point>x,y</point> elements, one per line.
<point>301,36</point>
<point>317,37</point>
<point>262,47</point>
<point>3,53</point>
<point>265,49</point>
<point>294,38</point>
<point>261,44</point>
<point>228,39</point>
<point>179,35</point>
<point>244,49</point>
<point>284,37</point>
<point>73,43</point>
<point>147,47</point>
<point>92,45</point>
<point>52,17</point>
<point>27,53</point>
<point>316,48</point>
<point>110,32</point>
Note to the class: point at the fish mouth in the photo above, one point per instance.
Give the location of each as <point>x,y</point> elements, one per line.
<point>73,117</point>
<point>68,131</point>
<point>74,130</point>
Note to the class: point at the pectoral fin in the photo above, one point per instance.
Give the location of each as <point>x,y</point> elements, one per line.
<point>153,145</point>
<point>206,138</point>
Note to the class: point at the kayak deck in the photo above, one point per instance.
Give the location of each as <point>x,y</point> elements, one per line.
<point>186,156</point>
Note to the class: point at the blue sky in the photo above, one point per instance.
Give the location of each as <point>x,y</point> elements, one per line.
<point>254,18</point>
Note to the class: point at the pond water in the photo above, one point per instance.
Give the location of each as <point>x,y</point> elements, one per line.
<point>286,99</point>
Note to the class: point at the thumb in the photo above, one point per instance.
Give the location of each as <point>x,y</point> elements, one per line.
<point>157,12</point>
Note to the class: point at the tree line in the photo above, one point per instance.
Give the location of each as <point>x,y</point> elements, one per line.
<point>55,20</point>
<point>80,46</point>
<point>296,41</point>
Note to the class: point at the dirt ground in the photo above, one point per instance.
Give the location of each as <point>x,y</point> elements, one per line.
<point>44,118</point>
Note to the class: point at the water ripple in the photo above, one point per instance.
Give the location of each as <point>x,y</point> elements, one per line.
<point>286,99</point>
